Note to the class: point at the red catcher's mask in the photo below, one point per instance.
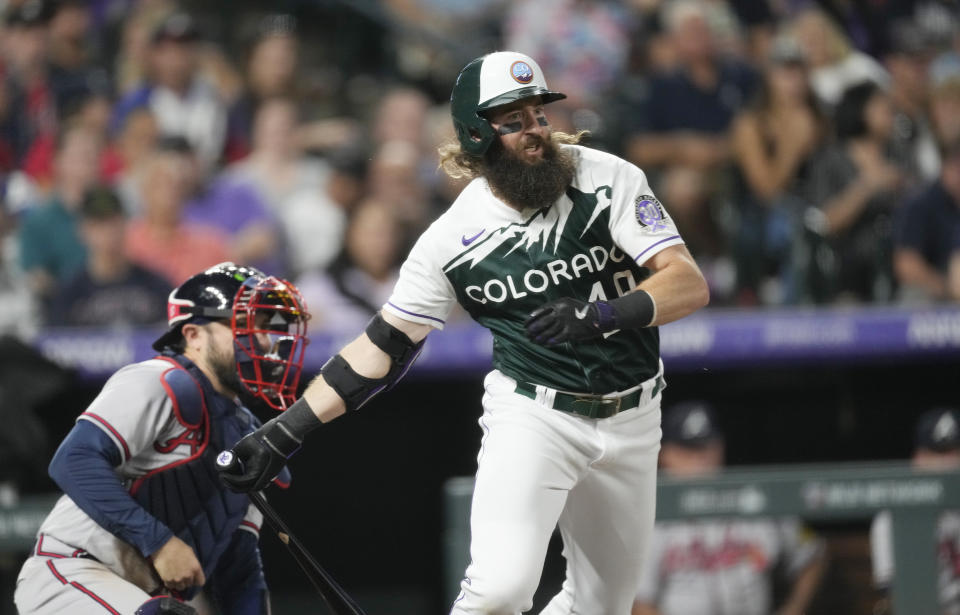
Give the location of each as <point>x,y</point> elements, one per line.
<point>270,336</point>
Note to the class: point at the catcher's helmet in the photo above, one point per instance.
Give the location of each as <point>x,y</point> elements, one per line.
<point>242,296</point>
<point>490,81</point>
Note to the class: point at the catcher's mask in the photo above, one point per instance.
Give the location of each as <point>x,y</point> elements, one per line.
<point>267,317</point>
<point>269,324</point>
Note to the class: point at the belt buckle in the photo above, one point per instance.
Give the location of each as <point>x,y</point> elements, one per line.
<point>596,403</point>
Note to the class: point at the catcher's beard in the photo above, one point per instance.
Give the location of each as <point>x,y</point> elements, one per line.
<point>524,184</point>
<point>224,366</point>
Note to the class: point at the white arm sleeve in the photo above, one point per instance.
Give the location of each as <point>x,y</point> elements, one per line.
<point>639,223</point>
<point>422,294</point>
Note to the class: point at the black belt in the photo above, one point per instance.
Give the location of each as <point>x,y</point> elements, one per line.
<point>591,406</point>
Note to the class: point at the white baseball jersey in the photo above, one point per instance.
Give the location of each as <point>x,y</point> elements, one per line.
<point>540,467</point>
<point>136,412</point>
<point>500,264</point>
<point>719,567</point>
<point>948,556</point>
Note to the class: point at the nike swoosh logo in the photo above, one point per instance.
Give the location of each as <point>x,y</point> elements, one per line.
<point>468,240</point>
<point>581,313</point>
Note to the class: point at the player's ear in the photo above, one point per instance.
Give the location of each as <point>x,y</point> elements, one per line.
<point>191,335</point>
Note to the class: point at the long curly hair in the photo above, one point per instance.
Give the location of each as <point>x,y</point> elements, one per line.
<point>460,165</point>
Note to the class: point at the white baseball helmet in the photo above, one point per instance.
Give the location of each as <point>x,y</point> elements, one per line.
<point>490,81</point>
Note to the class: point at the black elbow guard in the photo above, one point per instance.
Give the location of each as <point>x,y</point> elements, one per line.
<point>356,390</point>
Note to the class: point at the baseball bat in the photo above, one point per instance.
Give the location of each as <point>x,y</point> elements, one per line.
<point>337,599</point>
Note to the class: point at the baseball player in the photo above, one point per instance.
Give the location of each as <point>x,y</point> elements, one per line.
<point>936,447</point>
<point>566,255</point>
<point>721,566</point>
<point>145,522</point>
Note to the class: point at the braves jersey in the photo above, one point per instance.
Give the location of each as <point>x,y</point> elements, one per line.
<point>500,264</point>
<point>143,419</point>
<point>948,557</point>
<point>716,567</point>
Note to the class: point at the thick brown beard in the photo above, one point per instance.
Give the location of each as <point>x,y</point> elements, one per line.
<point>525,185</point>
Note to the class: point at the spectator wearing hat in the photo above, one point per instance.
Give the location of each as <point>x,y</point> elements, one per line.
<point>46,69</point>
<point>74,72</point>
<point>181,99</point>
<point>721,566</point>
<point>927,230</point>
<point>936,448</point>
<point>30,98</point>
<point>109,291</point>
<point>906,60</point>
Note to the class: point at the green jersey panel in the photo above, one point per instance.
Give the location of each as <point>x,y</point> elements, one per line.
<point>500,264</point>
<point>565,250</point>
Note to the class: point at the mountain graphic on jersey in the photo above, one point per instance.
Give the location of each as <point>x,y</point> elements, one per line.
<point>542,231</point>
<point>561,250</point>
<point>564,250</point>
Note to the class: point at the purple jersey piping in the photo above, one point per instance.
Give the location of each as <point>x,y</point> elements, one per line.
<point>671,238</point>
<point>397,307</point>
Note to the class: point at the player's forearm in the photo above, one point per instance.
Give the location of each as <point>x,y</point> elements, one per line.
<point>365,358</point>
<point>804,587</point>
<point>677,290</point>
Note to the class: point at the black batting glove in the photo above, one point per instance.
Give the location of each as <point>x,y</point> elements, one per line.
<point>258,457</point>
<point>569,320</point>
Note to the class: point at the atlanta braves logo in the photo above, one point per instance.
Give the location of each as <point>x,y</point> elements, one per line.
<point>521,72</point>
<point>190,437</point>
<point>650,213</point>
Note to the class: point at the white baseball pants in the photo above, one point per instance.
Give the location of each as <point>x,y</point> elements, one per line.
<point>538,467</point>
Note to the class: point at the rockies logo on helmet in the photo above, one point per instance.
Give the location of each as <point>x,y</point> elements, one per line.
<point>521,72</point>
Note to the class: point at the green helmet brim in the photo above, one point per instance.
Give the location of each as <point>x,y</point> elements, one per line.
<point>547,96</point>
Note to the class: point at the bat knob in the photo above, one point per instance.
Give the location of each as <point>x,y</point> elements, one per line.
<point>225,459</point>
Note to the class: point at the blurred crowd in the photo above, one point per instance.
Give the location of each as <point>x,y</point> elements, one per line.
<point>809,151</point>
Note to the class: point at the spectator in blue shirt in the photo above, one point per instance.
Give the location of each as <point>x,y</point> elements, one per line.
<point>681,131</point>
<point>110,290</point>
<point>926,233</point>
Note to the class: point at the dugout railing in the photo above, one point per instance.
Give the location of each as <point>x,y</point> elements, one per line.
<point>821,492</point>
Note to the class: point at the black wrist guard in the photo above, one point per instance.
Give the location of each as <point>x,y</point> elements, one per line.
<point>285,433</point>
<point>633,310</point>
